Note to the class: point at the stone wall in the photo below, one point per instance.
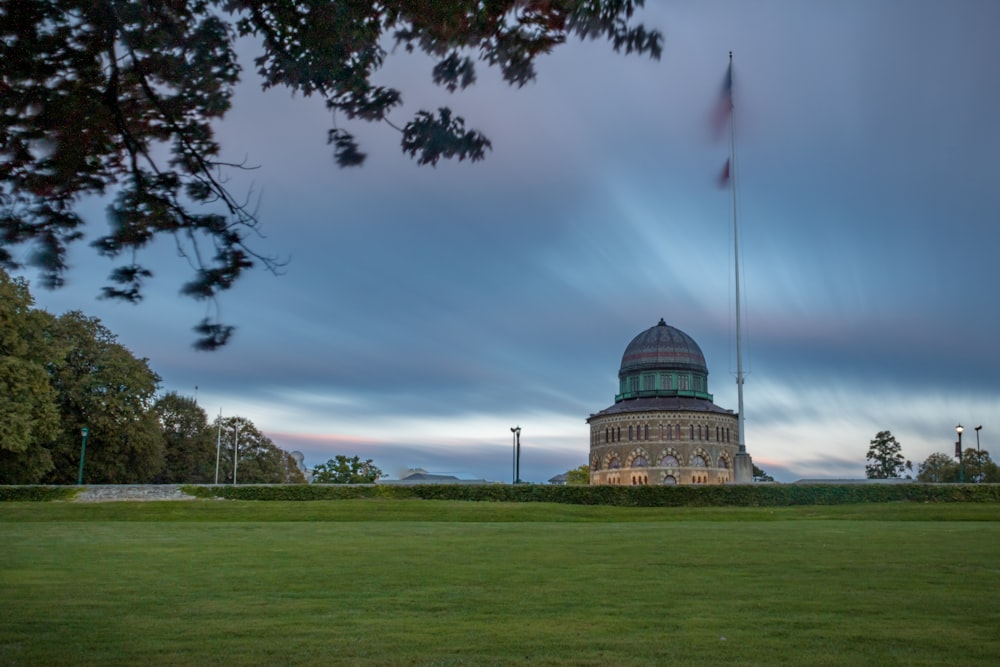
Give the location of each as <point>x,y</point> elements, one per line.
<point>108,492</point>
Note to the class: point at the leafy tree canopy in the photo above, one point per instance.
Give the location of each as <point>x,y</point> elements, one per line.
<point>760,476</point>
<point>189,445</point>
<point>579,475</point>
<point>978,467</point>
<point>28,414</point>
<point>885,458</point>
<point>346,470</point>
<point>121,96</point>
<point>938,468</point>
<point>258,460</point>
<point>103,386</point>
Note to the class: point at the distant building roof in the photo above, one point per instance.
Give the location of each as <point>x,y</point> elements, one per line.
<point>423,477</point>
<point>558,479</point>
<point>837,480</point>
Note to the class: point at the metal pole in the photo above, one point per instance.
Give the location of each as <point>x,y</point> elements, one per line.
<point>236,450</point>
<point>517,466</point>
<point>961,463</point>
<point>513,462</point>
<point>83,451</point>
<point>218,447</point>
<point>979,457</point>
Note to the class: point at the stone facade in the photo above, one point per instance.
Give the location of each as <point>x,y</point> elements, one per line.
<point>664,427</point>
<point>666,447</point>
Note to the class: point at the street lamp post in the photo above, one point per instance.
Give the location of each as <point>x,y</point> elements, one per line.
<point>517,467</point>
<point>958,453</point>
<point>516,431</point>
<point>979,457</point>
<point>83,450</point>
<point>236,450</point>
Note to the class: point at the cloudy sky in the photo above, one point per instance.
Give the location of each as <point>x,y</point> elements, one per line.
<point>425,311</point>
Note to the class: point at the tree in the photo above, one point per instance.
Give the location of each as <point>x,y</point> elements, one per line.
<point>343,470</point>
<point>189,445</point>
<point>258,460</point>
<point>578,476</point>
<point>102,386</point>
<point>122,95</point>
<point>28,414</point>
<point>979,467</point>
<point>885,458</point>
<point>938,468</point>
<point>760,476</point>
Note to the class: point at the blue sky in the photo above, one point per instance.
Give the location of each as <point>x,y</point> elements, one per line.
<point>425,311</point>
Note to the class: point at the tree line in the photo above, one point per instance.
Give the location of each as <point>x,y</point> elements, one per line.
<point>886,461</point>
<point>59,374</point>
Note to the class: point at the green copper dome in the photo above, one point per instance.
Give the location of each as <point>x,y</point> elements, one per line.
<point>663,361</point>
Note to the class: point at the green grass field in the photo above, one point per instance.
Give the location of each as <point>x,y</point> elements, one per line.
<point>409,582</point>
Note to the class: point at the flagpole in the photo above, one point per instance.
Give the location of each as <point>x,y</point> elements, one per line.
<point>741,439</point>
<point>743,465</point>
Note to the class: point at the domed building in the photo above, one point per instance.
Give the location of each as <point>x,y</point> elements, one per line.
<point>664,427</point>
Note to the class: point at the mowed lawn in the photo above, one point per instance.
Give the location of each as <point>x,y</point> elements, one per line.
<point>407,582</point>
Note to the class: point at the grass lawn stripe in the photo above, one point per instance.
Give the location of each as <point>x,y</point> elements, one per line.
<point>106,587</point>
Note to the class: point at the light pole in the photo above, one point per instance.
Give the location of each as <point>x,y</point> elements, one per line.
<point>958,453</point>
<point>83,450</point>
<point>218,447</point>
<point>979,457</point>
<point>236,450</point>
<point>516,430</point>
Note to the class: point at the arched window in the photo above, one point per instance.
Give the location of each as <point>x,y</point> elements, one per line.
<point>646,431</point>
<point>669,480</point>
<point>639,462</point>
<point>669,461</point>
<point>699,461</point>
<point>630,433</point>
<point>723,463</point>
<point>614,463</point>
<point>692,432</point>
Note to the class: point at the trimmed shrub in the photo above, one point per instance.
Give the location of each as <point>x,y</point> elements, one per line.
<point>756,495</point>
<point>37,493</point>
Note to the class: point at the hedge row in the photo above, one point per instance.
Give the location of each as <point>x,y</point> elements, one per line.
<point>757,495</point>
<point>762,495</point>
<point>37,493</point>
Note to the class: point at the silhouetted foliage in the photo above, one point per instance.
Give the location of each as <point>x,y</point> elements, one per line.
<point>122,96</point>
<point>885,458</point>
